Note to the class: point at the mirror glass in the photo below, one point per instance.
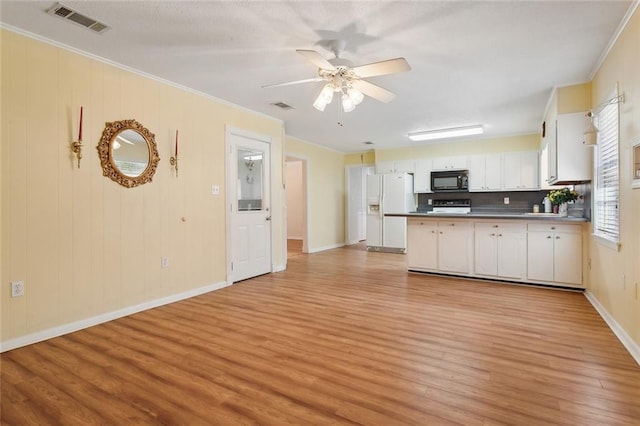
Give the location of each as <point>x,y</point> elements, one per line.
<point>130,153</point>
<point>249,180</point>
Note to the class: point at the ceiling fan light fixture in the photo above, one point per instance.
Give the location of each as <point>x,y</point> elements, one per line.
<point>355,95</point>
<point>320,104</point>
<point>446,133</point>
<point>348,104</point>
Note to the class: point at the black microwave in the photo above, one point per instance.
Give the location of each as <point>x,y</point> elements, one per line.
<point>450,180</point>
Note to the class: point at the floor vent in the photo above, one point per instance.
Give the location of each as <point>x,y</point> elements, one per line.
<point>69,14</point>
<point>282,105</point>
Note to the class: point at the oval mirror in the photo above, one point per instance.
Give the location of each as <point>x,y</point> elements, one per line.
<point>128,153</point>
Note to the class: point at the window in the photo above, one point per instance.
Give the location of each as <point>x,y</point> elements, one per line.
<point>606,193</point>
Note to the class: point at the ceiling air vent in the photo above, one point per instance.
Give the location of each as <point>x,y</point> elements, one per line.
<point>282,105</point>
<point>367,143</point>
<point>65,13</point>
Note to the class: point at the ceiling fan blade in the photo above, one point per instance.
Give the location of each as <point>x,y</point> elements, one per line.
<point>307,80</point>
<point>316,59</point>
<point>376,92</point>
<point>391,66</point>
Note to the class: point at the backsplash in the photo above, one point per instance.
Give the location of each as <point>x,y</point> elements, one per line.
<point>519,201</point>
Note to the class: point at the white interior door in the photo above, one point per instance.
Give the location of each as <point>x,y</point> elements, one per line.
<point>249,206</point>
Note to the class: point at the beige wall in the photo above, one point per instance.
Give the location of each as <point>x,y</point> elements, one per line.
<point>368,157</point>
<point>479,146</point>
<point>617,294</point>
<point>83,244</point>
<point>325,192</point>
<point>295,200</point>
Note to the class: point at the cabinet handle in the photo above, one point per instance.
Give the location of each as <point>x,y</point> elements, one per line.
<point>492,235</point>
<point>499,235</point>
<point>495,226</point>
<point>548,237</point>
<point>553,227</point>
<point>557,238</point>
<point>452,224</point>
<point>441,232</point>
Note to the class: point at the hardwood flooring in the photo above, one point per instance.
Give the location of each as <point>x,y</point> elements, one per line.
<point>294,248</point>
<point>341,337</point>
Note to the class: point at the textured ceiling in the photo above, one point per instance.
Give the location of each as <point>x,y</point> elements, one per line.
<point>473,62</point>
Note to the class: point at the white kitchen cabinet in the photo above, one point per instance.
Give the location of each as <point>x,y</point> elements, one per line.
<point>500,250</point>
<point>485,172</point>
<point>455,246</point>
<point>450,163</point>
<point>398,166</point>
<point>422,244</point>
<point>422,175</point>
<point>570,160</point>
<point>521,171</point>
<point>439,246</point>
<point>554,253</point>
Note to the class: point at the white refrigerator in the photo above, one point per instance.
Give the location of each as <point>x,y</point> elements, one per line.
<point>388,193</point>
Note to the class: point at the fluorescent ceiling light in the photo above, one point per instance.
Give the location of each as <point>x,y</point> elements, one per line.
<point>446,133</point>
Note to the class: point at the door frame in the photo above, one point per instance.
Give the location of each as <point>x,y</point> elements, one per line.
<point>348,206</point>
<point>229,131</point>
<point>305,202</point>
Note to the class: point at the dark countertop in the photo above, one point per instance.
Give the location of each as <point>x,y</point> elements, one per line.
<point>495,215</point>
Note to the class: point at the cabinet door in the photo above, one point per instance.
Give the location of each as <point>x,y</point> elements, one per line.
<point>454,247</point>
<point>385,167</point>
<point>540,256</point>
<point>422,245</point>
<point>404,166</point>
<point>485,253</point>
<point>422,176</point>
<point>493,172</point>
<point>573,157</point>
<point>552,153</point>
<point>511,253</point>
<point>511,169</point>
<point>476,173</point>
<point>568,258</point>
<point>529,167</point>
<point>450,163</point>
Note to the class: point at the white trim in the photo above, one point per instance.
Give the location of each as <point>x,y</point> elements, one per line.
<point>131,70</point>
<point>625,339</point>
<point>289,135</point>
<point>305,198</point>
<point>329,247</point>
<point>280,268</point>
<point>610,244</point>
<point>623,24</point>
<point>60,330</point>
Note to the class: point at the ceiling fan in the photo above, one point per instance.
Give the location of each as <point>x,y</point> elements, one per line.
<point>348,80</point>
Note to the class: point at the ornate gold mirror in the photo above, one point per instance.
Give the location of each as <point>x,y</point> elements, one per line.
<point>128,153</point>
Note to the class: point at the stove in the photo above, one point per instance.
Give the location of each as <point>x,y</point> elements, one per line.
<point>462,206</point>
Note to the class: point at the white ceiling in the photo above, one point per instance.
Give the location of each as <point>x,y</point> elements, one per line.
<point>473,62</point>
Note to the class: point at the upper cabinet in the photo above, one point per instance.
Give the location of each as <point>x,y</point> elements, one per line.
<point>570,160</point>
<point>450,163</point>
<point>422,175</point>
<point>521,171</point>
<point>485,172</point>
<point>398,166</point>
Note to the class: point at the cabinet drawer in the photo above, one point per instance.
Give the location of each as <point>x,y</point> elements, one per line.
<point>502,226</point>
<point>554,227</point>
<point>459,224</point>
<point>416,221</point>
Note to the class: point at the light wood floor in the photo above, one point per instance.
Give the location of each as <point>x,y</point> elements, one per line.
<point>341,337</point>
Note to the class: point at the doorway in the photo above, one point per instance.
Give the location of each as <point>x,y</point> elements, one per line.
<point>356,220</point>
<point>296,204</point>
<point>248,200</point>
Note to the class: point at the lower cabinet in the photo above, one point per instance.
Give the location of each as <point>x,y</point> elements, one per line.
<point>515,250</point>
<point>500,250</point>
<point>554,253</point>
<point>444,246</point>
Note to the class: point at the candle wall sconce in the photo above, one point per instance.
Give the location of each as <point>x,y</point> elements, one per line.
<point>76,146</point>
<point>174,159</point>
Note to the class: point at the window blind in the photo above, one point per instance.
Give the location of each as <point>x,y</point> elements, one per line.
<point>606,194</point>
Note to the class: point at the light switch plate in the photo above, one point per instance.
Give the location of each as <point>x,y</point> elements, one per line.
<point>215,190</point>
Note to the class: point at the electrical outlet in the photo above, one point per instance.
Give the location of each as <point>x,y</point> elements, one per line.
<point>164,262</point>
<point>506,200</point>
<point>430,201</point>
<point>215,190</point>
<point>17,288</point>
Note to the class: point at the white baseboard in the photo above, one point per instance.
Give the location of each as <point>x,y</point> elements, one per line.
<point>627,341</point>
<point>279,268</point>
<point>106,317</point>
<point>318,249</point>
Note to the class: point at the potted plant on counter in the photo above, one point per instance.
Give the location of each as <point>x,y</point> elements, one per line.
<point>559,199</point>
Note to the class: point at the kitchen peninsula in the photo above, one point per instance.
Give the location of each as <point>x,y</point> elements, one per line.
<point>534,248</point>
